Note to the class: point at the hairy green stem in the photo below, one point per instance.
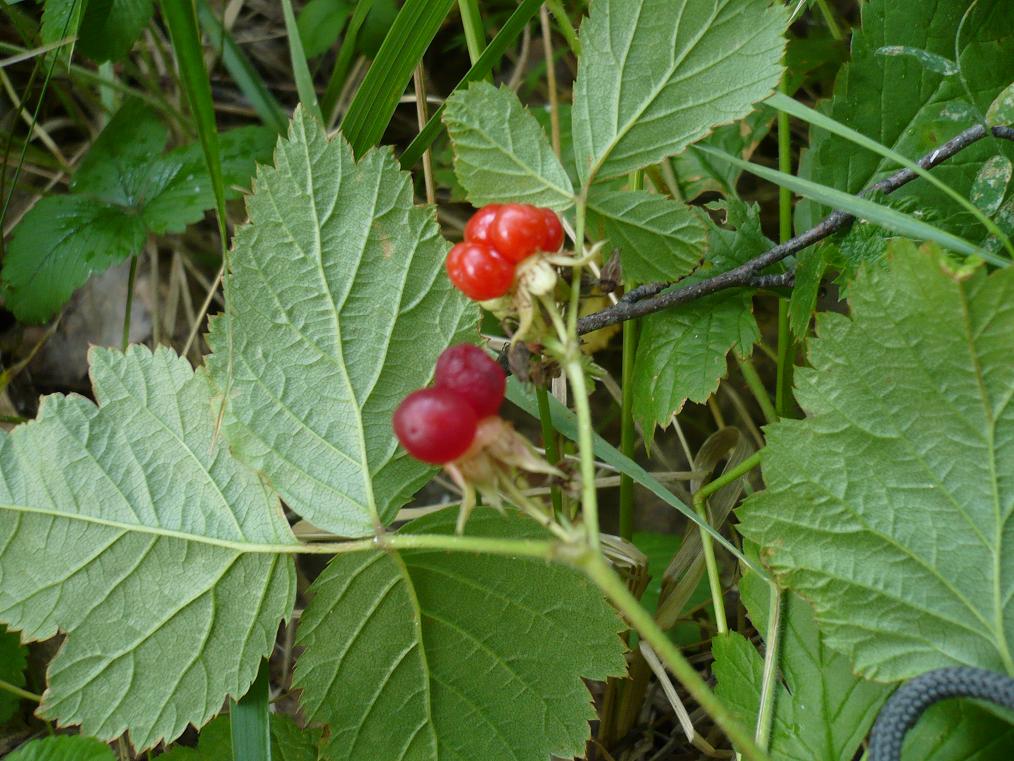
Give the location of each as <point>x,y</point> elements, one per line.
<point>17,691</point>
<point>829,19</point>
<point>769,680</point>
<point>131,279</point>
<point>549,442</point>
<point>566,28</point>
<point>756,386</point>
<point>585,445</point>
<point>627,438</point>
<point>614,588</point>
<point>711,563</point>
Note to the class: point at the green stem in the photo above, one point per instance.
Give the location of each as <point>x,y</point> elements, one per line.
<point>756,386</point>
<point>627,438</point>
<point>769,681</point>
<point>130,303</point>
<point>714,579</point>
<point>786,349</point>
<point>729,476</point>
<point>585,446</point>
<point>832,24</point>
<point>566,28</point>
<point>475,33</point>
<point>549,442</point>
<point>614,588</point>
<point>23,694</point>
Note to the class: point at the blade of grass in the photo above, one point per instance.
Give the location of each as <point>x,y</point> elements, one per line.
<point>300,69</point>
<point>475,33</point>
<point>242,71</point>
<point>371,110</point>
<point>861,208</point>
<point>792,107</point>
<point>345,55</point>
<point>493,52</point>
<point>250,720</point>
<point>565,422</point>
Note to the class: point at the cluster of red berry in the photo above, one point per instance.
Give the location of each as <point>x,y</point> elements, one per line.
<point>497,239</point>
<point>438,425</point>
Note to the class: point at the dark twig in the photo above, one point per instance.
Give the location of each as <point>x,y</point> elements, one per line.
<point>654,297</point>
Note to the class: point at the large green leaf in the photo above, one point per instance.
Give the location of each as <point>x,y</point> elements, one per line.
<point>426,655</point>
<point>109,27</point>
<point>889,506</point>
<point>924,107</point>
<point>124,189</point>
<point>501,154</point>
<point>658,238</point>
<point>339,308</point>
<point>13,657</point>
<point>822,711</point>
<point>139,537</point>
<point>65,748</point>
<point>657,75</point>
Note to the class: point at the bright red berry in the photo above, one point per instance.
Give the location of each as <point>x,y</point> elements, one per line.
<point>469,372</point>
<point>554,231</point>
<point>518,231</point>
<point>477,229</point>
<point>479,271</point>
<point>435,425</point>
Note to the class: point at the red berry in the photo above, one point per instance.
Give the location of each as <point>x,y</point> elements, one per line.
<point>477,229</point>
<point>518,231</point>
<point>554,231</point>
<point>479,271</point>
<point>468,371</point>
<point>435,425</point>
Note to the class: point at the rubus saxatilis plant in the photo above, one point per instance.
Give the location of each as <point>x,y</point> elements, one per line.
<point>158,527</point>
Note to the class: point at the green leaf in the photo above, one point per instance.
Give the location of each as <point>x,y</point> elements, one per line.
<point>658,238</point>
<point>882,504</point>
<point>249,718</point>
<point>822,711</point>
<point>57,246</point>
<point>501,154</point>
<point>924,109</point>
<point>378,96</point>
<point>330,283</point>
<point>959,730</point>
<point>63,748</point>
<point>427,655</point>
<point>991,183</point>
<point>811,265</point>
<point>123,190</point>
<point>320,22</point>
<point>657,75</point>
<point>1001,110</point>
<point>300,70</point>
<point>109,27</point>
<point>159,551</point>
<point>60,20</point>
<point>289,742</point>
<point>13,658</point>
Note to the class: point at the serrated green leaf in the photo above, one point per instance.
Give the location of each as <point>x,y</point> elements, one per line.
<point>888,507</point>
<point>823,711</point>
<point>658,238</point>
<point>425,655</point>
<point>289,742</point>
<point>657,75</point>
<point>123,190</point>
<point>109,27</point>
<point>13,657</point>
<point>990,185</point>
<point>141,539</point>
<point>959,730</point>
<point>925,108</point>
<point>339,307</point>
<point>1001,110</point>
<point>63,748</point>
<point>501,154</point>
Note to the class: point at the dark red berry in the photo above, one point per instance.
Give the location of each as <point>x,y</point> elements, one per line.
<point>435,425</point>
<point>554,231</point>
<point>477,229</point>
<point>518,231</point>
<point>478,271</point>
<point>469,372</point>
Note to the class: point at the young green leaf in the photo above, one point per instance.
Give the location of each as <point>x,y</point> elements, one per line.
<point>330,283</point>
<point>925,108</point>
<point>13,657</point>
<point>822,711</point>
<point>657,75</point>
<point>429,655</point>
<point>157,549</point>
<point>882,503</point>
<point>990,185</point>
<point>501,154</point>
<point>63,748</point>
<point>658,238</point>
